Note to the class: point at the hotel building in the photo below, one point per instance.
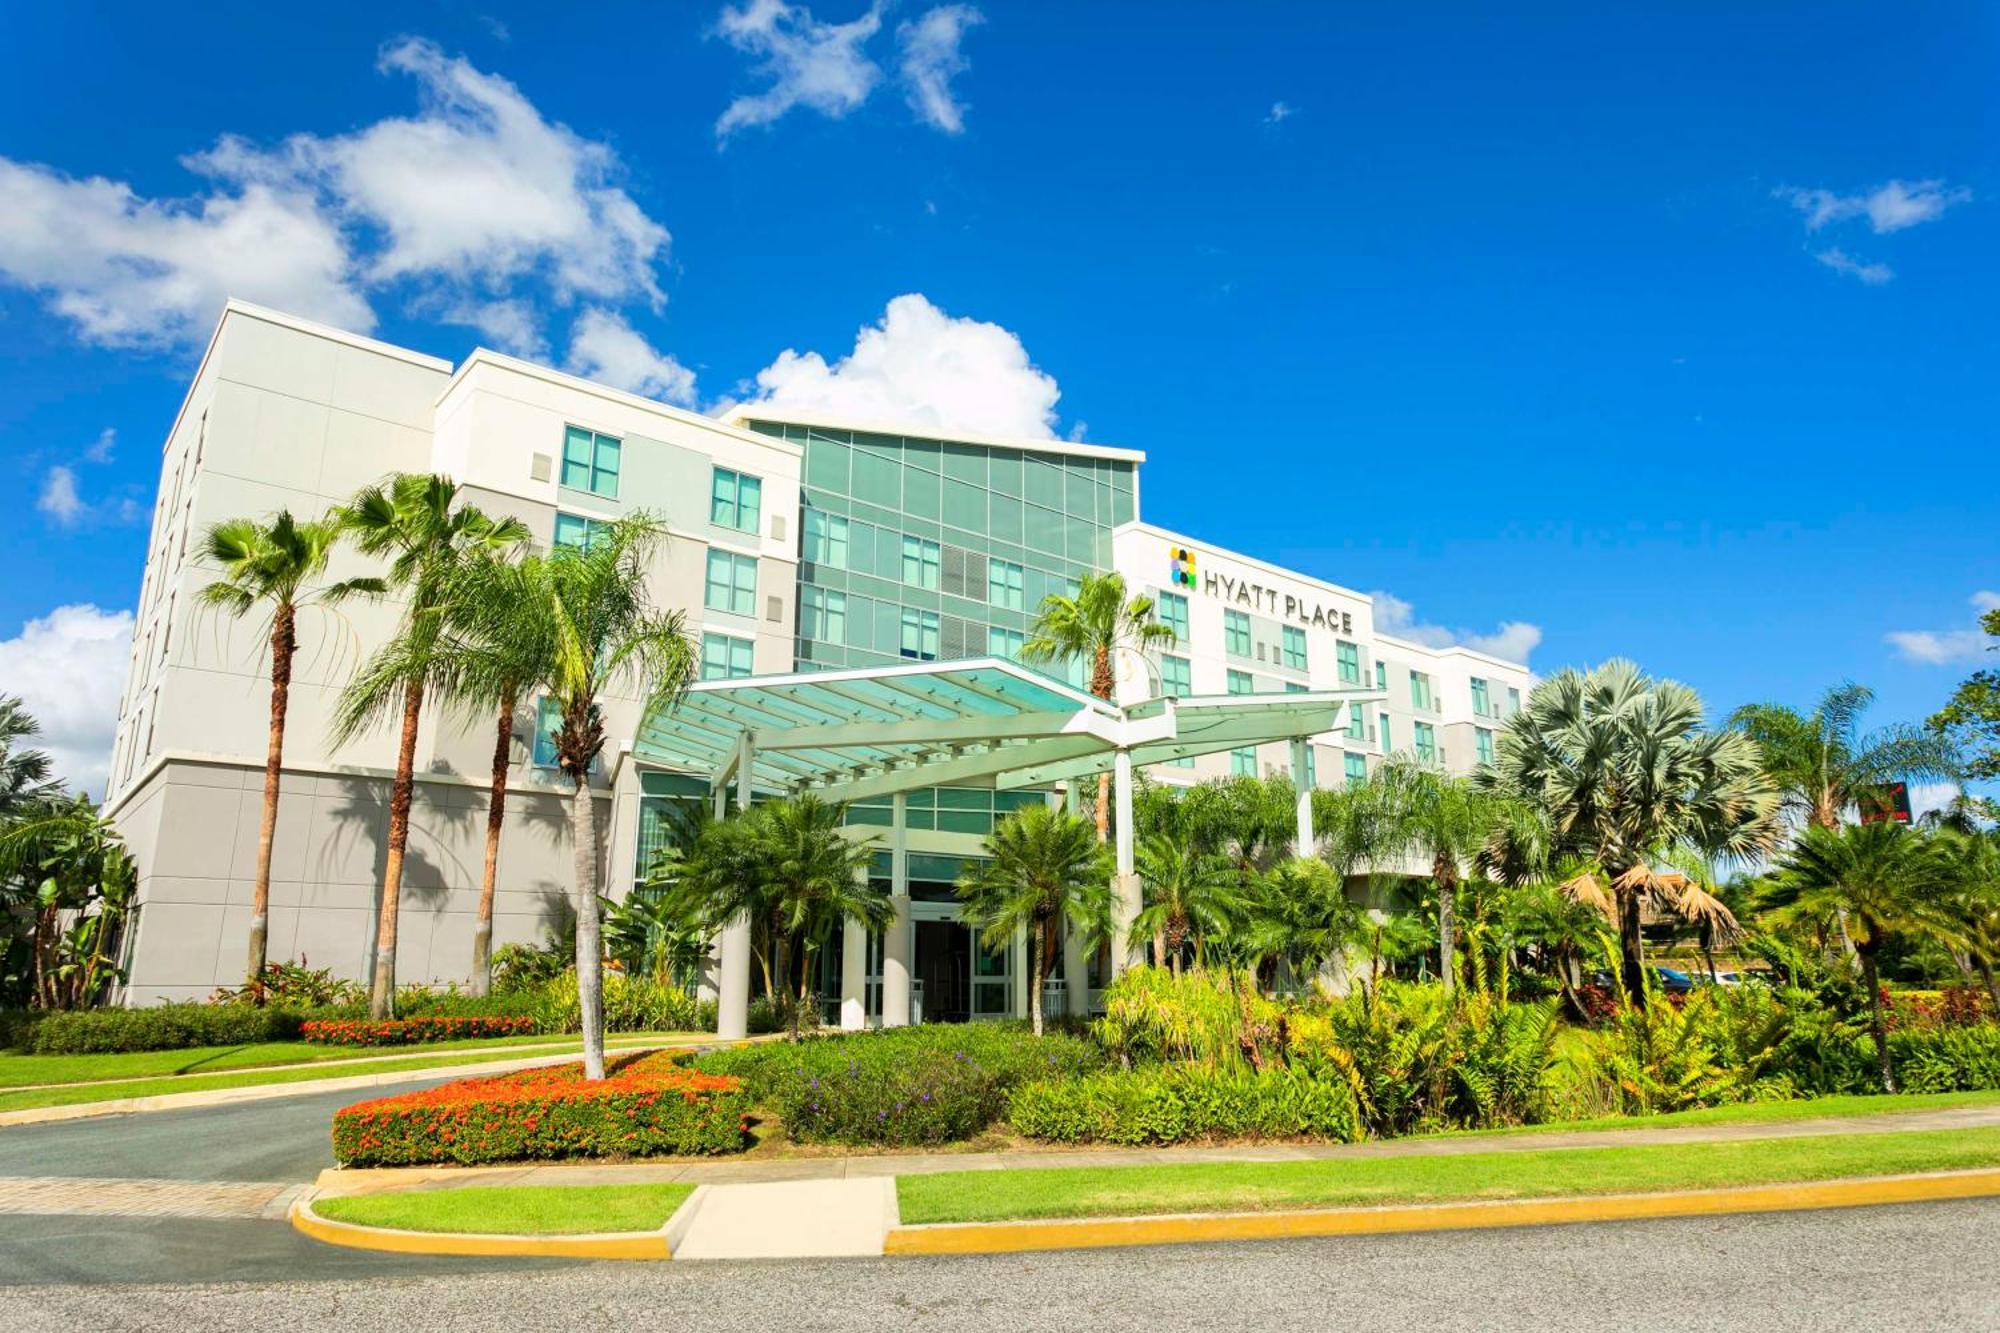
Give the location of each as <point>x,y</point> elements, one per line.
<point>797,544</point>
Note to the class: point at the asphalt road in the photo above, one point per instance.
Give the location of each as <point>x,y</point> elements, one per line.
<point>1930,1267</point>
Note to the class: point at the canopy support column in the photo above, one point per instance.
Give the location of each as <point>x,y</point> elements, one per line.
<point>1301,772</point>
<point>732,1016</point>
<point>896,935</point>
<point>1127,899</point>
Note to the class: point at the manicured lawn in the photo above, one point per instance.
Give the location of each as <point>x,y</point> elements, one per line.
<point>20,1071</point>
<point>520,1210</point>
<point>356,1062</point>
<point>1763,1113</point>
<point>987,1196</point>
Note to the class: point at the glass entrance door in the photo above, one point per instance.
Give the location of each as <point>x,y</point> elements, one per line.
<point>992,979</point>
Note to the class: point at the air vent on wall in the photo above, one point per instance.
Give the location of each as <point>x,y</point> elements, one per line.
<point>956,637</point>
<point>539,466</point>
<point>774,610</point>
<point>962,573</point>
<point>777,527</point>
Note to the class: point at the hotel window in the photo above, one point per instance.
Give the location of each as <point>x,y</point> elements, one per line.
<point>826,539</point>
<point>1482,699</point>
<point>1295,648</point>
<point>1426,739</point>
<point>920,563</point>
<point>1382,722</point>
<point>1420,693</point>
<point>1357,769</point>
<point>1242,682</point>
<point>920,634</point>
<point>1176,677</point>
<point>582,533</point>
<point>736,500</point>
<point>1172,610</point>
<point>1349,656</point>
<point>1004,643</point>
<point>548,716</point>
<point>1357,723</point>
<point>1293,687</point>
<point>1236,633</point>
<point>823,614</point>
<point>1005,584</point>
<point>1482,744</point>
<point>725,657</point>
<point>732,583</point>
<point>1312,770</point>
<point>1243,762</point>
<point>1513,701</point>
<point>590,462</point>
<point>1381,675</point>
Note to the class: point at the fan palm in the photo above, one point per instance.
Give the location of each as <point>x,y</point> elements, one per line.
<point>1888,880</point>
<point>1093,627</point>
<point>24,774</point>
<point>1044,865</point>
<point>1624,771</point>
<point>416,521</point>
<point>272,566</point>
<point>1190,893</point>
<point>1822,762</point>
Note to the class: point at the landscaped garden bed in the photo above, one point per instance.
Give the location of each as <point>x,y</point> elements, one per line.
<point>409,1031</point>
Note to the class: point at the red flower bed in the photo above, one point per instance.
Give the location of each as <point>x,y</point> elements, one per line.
<point>645,1105</point>
<point>408,1031</point>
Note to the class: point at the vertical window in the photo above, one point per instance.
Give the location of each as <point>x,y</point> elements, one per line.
<point>823,614</point>
<point>736,500</point>
<point>1482,699</point>
<point>920,634</point>
<point>1357,769</point>
<point>1243,762</point>
<point>1004,643</point>
<point>826,539</point>
<point>1236,633</point>
<point>1381,675</point>
<point>920,563</point>
<point>732,583</point>
<point>1357,723</point>
<point>1426,741</point>
<point>1312,770</point>
<point>1172,610</point>
<point>725,657</point>
<point>1295,648</point>
<point>1349,656</point>
<point>1482,744</point>
<point>1513,701</point>
<point>1241,682</point>
<point>590,462</point>
<point>1006,584</point>
<point>1176,678</point>
<point>548,716</point>
<point>1382,721</point>
<point>1420,692</point>
<point>580,533</point>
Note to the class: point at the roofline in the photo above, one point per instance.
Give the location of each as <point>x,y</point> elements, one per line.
<point>1452,650</point>
<point>486,356</point>
<point>1141,525</point>
<point>835,421</point>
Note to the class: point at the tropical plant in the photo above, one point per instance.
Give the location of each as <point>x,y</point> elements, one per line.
<point>24,774</point>
<point>646,936</point>
<point>1303,920</point>
<point>1191,895</point>
<point>272,566</point>
<point>1624,770</point>
<point>1043,866</point>
<point>1445,821</point>
<point>1972,870</point>
<point>1093,626</point>
<point>1888,880</point>
<point>66,869</point>
<point>1971,719</point>
<point>415,521</point>
<point>1824,764</point>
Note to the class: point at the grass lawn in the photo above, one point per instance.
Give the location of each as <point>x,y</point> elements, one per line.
<point>1763,1113</point>
<point>1197,1187</point>
<point>330,1062</point>
<point>520,1210</point>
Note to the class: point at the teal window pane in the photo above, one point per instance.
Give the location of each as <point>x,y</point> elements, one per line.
<point>1080,495</point>
<point>1123,507</point>
<point>1425,740</point>
<point>1357,769</point>
<point>725,657</point>
<point>1243,762</point>
<point>1005,643</point>
<point>1044,483</point>
<point>1044,531</point>
<point>920,562</point>
<point>548,717</point>
<point>1006,584</point>
<point>1382,722</point>
<point>1172,610</point>
<point>1357,723</point>
<point>877,480</point>
<point>1006,519</point>
<point>823,615</point>
<point>920,635</point>
<point>921,492</point>
<point>1482,744</point>
<point>826,539</point>
<point>604,467</point>
<point>732,583</point>
<point>1348,655</point>
<point>966,462</point>
<point>827,465</point>
<point>1003,468</point>
<point>1295,648</point>
<point>736,500</point>
<point>1420,691</point>
<point>1241,682</point>
<point>1311,778</point>
<point>1513,701</point>
<point>1294,687</point>
<point>576,458</point>
<point>1236,633</point>
<point>578,532</point>
<point>1381,675</point>
<point>1481,699</point>
<point>1176,676</point>
<point>965,506</point>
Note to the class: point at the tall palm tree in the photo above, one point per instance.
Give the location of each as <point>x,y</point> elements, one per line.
<point>1190,892</point>
<point>415,521</point>
<point>272,566</point>
<point>1093,627</point>
<point>24,774</point>
<point>1044,865</point>
<point>1443,820</point>
<point>1624,770</point>
<point>1824,764</point>
<point>593,605</point>
<point>1972,869</point>
<point>1889,881</point>
<point>814,879</point>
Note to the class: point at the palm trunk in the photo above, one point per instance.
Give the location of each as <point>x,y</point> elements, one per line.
<point>1102,684</point>
<point>1878,1022</point>
<point>496,813</point>
<point>1992,982</point>
<point>382,995</point>
<point>1035,965</point>
<point>284,643</point>
<point>589,937</point>
<point>1444,873</point>
<point>1160,947</point>
<point>1631,946</point>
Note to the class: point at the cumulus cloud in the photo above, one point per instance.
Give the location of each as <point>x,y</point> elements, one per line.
<point>1837,259</point>
<point>932,59</point>
<point>1890,207</point>
<point>923,369</point>
<point>1280,112</point>
<point>1949,646</point>
<point>1511,642</point>
<point>604,347</point>
<point>822,67</point>
<point>61,497</point>
<point>69,668</point>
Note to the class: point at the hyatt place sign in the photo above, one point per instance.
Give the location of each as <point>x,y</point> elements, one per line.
<point>1256,596</point>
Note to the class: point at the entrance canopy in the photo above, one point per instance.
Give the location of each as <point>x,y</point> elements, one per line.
<point>867,733</point>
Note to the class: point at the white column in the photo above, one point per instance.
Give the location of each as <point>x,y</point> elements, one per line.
<point>1305,846</point>
<point>853,976</point>
<point>1128,897</point>
<point>896,938</point>
<point>1076,972</point>
<point>710,985</point>
<point>733,1004</point>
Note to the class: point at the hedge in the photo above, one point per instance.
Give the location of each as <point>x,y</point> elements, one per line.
<point>405,1031</point>
<point>645,1105</point>
<point>161,1027</point>
<point>1174,1104</point>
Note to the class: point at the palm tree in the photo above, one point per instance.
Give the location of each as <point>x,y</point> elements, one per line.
<point>67,871</point>
<point>1972,869</point>
<point>1823,764</point>
<point>813,879</point>
<point>24,774</point>
<point>1443,820</point>
<point>272,565</point>
<point>415,520</point>
<point>1190,891</point>
<point>1888,880</point>
<point>1094,626</point>
<point>1624,771</point>
<point>1044,865</point>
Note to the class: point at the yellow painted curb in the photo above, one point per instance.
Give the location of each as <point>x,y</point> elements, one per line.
<point>608,1245</point>
<point>1189,1228</point>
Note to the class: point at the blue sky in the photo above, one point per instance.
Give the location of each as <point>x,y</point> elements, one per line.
<point>1663,335</point>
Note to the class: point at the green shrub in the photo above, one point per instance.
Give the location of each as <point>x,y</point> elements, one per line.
<point>1946,1059</point>
<point>631,1004</point>
<point>162,1027</point>
<point>1208,1017</point>
<point>1176,1104</point>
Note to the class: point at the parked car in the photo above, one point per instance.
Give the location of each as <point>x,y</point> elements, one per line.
<point>1673,981</point>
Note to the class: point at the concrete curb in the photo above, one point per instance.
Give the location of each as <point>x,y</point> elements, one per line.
<point>649,1245</point>
<point>1191,1228</point>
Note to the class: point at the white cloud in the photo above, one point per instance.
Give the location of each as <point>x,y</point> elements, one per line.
<point>604,347</point>
<point>1946,647</point>
<point>922,368</point>
<point>820,66</point>
<point>1511,642</point>
<point>59,498</point>
<point>1280,113</point>
<point>1837,259</point>
<point>1888,208</point>
<point>69,668</point>
<point>99,449</point>
<point>511,325</point>
<point>931,59</point>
